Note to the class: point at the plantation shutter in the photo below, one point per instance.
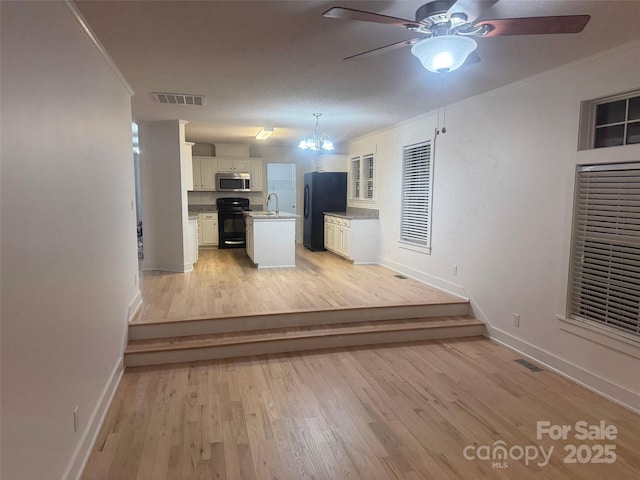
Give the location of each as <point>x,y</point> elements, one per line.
<point>367,174</point>
<point>355,178</point>
<point>416,194</point>
<point>605,285</point>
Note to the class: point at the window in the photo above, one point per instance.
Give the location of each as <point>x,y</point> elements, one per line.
<point>362,177</point>
<point>605,282</point>
<point>355,178</point>
<point>415,221</point>
<point>611,122</point>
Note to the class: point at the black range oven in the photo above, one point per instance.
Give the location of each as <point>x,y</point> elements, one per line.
<point>231,227</point>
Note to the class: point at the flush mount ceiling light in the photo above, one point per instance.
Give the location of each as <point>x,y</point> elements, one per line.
<point>318,140</point>
<point>443,54</point>
<point>264,133</point>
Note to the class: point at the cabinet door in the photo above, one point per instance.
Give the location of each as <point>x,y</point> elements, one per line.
<point>209,227</point>
<point>226,165</point>
<point>250,246</point>
<point>327,235</point>
<point>215,231</point>
<point>208,169</point>
<point>337,238</point>
<point>242,165</point>
<point>346,241</point>
<point>257,175</point>
<point>195,241</point>
<point>197,182</point>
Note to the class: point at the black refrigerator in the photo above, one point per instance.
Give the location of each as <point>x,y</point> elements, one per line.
<point>323,192</point>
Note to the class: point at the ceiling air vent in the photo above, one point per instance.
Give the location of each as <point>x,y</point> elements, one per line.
<point>179,99</point>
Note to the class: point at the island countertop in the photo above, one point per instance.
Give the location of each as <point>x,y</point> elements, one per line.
<point>351,216</point>
<point>270,215</point>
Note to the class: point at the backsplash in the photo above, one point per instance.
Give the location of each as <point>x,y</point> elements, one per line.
<point>363,212</point>
<point>203,208</point>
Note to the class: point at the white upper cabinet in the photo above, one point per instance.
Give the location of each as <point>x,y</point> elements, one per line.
<point>208,169</point>
<point>234,164</point>
<point>257,175</point>
<point>205,169</point>
<point>204,173</point>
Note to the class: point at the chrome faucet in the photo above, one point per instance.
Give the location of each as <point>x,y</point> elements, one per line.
<point>277,201</point>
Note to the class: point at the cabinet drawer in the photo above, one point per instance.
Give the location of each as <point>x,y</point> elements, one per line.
<point>209,216</point>
<point>344,222</point>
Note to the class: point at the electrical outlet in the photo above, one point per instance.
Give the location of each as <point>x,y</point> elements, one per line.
<point>75,420</point>
<point>454,270</point>
<point>516,320</point>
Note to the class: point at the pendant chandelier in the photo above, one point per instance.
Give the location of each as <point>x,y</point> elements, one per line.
<point>318,140</point>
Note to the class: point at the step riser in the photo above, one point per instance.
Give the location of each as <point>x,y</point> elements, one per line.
<point>300,344</point>
<point>293,319</point>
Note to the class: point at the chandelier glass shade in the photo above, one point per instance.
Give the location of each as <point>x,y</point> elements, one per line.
<point>317,141</point>
<point>445,53</point>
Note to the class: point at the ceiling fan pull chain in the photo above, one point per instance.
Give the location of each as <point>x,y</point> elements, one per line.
<point>442,104</point>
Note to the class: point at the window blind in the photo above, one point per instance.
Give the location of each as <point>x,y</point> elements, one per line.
<point>605,284</point>
<point>416,194</point>
<point>355,178</point>
<point>367,177</point>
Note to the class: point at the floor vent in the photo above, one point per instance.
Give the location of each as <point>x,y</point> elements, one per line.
<point>401,277</point>
<point>528,365</point>
<point>180,99</point>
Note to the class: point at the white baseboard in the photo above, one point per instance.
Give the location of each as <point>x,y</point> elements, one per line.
<point>90,434</point>
<point>601,386</point>
<point>134,306</point>
<point>449,287</point>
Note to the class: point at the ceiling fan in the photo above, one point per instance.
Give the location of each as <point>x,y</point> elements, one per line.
<point>447,27</point>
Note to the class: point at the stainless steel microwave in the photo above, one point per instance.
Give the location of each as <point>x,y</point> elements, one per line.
<point>233,182</point>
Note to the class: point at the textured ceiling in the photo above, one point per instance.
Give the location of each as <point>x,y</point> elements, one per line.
<point>275,63</point>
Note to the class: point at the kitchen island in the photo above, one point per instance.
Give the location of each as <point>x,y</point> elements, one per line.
<point>271,238</point>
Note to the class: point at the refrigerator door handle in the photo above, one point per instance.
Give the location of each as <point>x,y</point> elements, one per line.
<point>306,201</point>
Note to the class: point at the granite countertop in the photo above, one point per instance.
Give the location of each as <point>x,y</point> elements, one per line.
<point>271,215</point>
<point>351,216</point>
<point>193,215</point>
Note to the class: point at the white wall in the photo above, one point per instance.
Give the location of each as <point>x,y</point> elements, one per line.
<point>502,210</point>
<point>164,196</point>
<point>69,258</point>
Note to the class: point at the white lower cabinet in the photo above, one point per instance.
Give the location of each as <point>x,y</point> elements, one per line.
<point>208,233</point>
<point>249,242</point>
<point>271,242</point>
<point>354,239</point>
<point>191,248</point>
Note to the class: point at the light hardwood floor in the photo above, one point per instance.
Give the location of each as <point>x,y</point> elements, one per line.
<point>395,412</point>
<point>225,282</point>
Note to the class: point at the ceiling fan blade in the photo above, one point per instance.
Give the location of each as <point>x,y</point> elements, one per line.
<point>536,25</point>
<point>471,59</point>
<point>360,15</point>
<point>471,8</point>
<point>386,48</point>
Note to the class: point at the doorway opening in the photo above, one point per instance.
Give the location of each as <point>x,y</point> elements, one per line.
<point>281,180</point>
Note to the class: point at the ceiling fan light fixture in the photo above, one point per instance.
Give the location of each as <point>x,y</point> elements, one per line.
<point>444,53</point>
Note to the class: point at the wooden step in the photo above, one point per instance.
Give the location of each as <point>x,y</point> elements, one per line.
<point>287,339</point>
<point>262,321</point>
